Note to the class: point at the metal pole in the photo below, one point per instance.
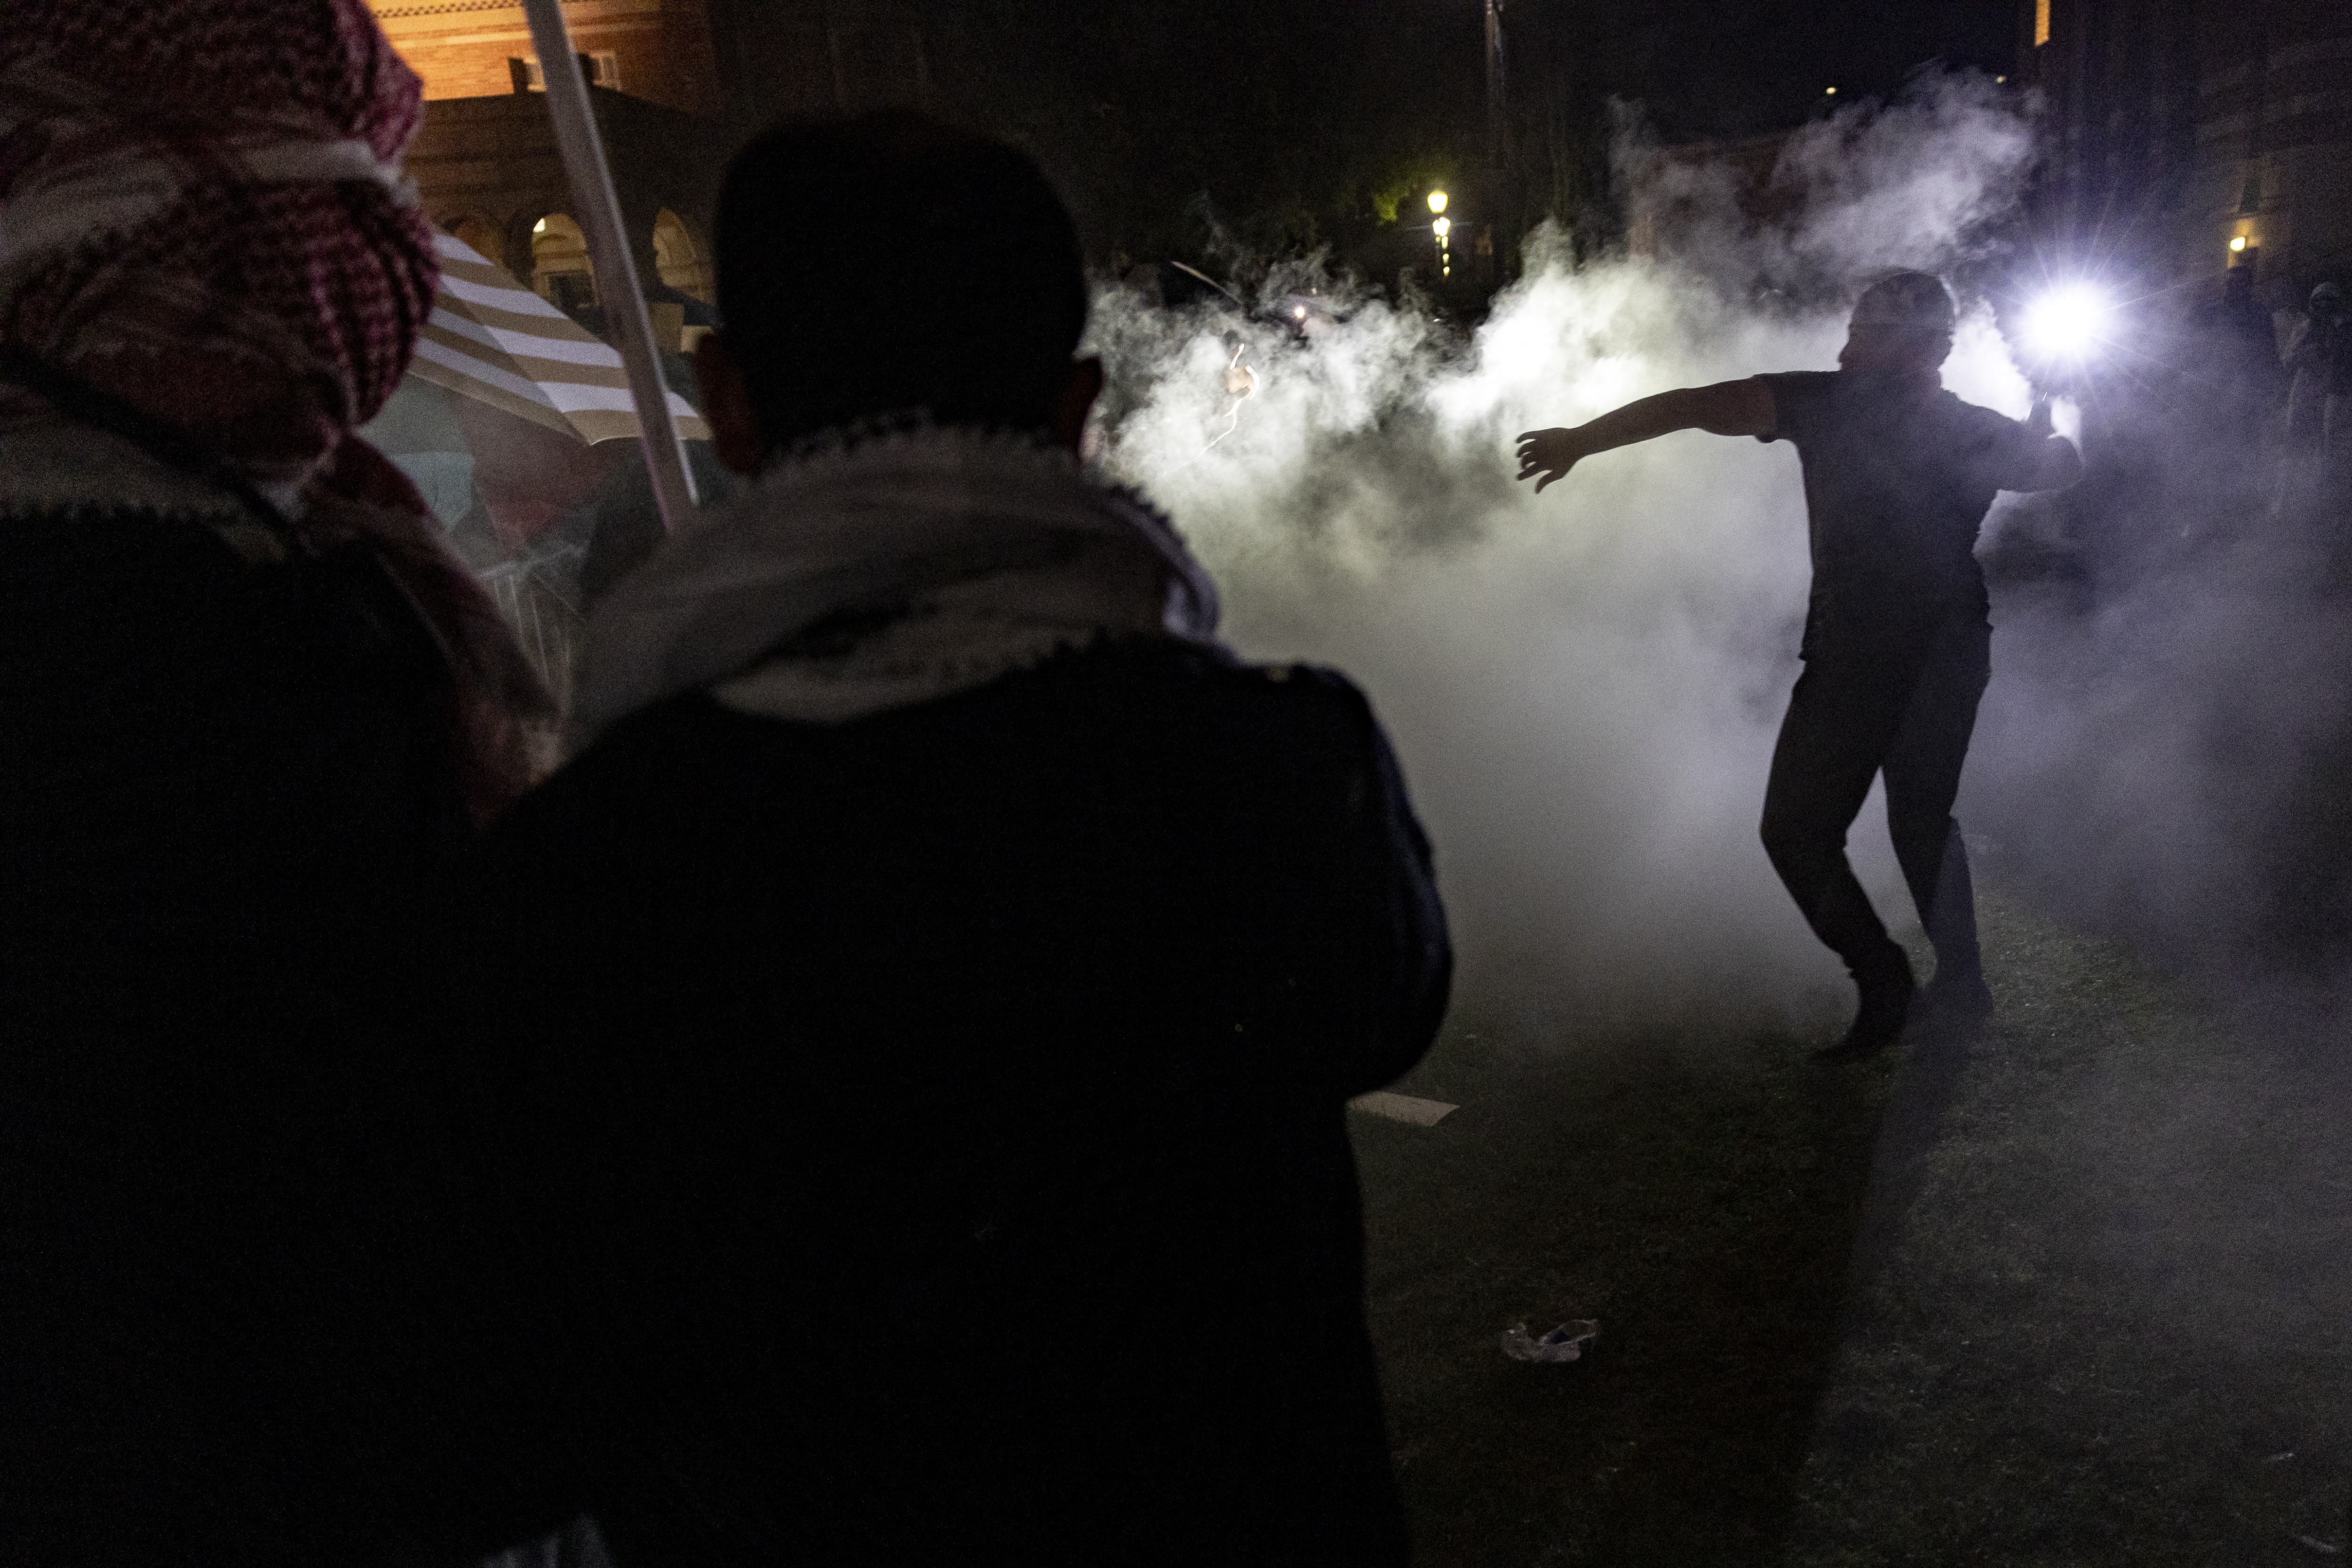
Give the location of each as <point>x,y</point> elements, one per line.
<point>1498,128</point>
<point>608,248</point>
<point>1503,204</point>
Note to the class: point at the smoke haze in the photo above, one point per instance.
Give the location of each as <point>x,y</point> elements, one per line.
<point>1584,686</point>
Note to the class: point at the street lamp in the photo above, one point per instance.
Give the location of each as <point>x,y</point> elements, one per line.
<point>1436,201</point>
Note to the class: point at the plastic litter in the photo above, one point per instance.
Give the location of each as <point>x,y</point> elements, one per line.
<point>1566,1342</point>
<point>1403,1107</point>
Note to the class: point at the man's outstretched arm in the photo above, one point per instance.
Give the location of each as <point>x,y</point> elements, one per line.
<point>1726,408</point>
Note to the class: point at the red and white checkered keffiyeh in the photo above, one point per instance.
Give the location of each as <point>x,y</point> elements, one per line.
<point>201,213</point>
<point>202,216</point>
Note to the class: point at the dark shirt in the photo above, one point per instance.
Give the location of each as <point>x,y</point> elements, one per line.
<point>936,1118</point>
<point>1896,487</point>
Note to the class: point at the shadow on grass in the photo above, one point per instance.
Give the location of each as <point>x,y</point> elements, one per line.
<point>1703,1198</point>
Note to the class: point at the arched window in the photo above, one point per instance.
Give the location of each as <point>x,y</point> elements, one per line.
<point>482,235</point>
<point>559,268</point>
<point>681,262</point>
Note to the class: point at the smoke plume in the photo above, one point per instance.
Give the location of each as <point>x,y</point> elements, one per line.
<point>1583,686</point>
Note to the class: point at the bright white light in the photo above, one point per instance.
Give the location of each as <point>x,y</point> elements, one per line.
<point>2070,324</point>
<point>1437,200</point>
<point>2238,242</point>
<point>1299,312</point>
<point>1443,226</point>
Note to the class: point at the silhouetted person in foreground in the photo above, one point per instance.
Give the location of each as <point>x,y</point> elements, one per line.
<point>1898,476</point>
<point>250,713</point>
<point>940,975</point>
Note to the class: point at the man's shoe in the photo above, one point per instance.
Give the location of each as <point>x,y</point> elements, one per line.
<point>1886,1008</point>
<point>1957,1001</point>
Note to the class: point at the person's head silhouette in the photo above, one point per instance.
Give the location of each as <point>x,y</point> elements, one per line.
<point>885,265</point>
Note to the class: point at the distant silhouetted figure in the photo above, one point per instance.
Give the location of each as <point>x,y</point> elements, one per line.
<point>250,713</point>
<point>2314,488</point>
<point>2319,404</point>
<point>2239,362</point>
<point>1898,476</point>
<point>939,977</point>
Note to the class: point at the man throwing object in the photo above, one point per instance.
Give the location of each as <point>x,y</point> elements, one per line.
<point>1898,476</point>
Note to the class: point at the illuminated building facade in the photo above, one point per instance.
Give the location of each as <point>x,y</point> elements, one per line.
<point>675,84</point>
<point>2190,136</point>
<point>658,50</point>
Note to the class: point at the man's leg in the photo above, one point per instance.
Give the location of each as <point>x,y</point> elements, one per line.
<point>1840,723</point>
<point>1923,778</point>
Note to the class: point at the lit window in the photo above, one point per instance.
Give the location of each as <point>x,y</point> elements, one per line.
<point>602,69</point>
<point>2041,23</point>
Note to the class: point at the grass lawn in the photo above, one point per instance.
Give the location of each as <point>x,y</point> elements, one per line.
<point>2101,1279</point>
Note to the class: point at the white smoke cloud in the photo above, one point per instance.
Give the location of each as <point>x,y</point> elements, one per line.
<point>1922,183</point>
<point>1583,686</point>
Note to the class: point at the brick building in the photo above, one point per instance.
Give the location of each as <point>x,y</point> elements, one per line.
<point>675,84</point>
<point>658,50</point>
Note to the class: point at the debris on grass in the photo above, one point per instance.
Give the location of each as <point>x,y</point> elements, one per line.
<point>1564,1343</point>
<point>2322,1547</point>
<point>1403,1107</point>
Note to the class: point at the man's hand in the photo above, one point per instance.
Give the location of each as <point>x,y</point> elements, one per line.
<point>2052,463</point>
<point>1551,453</point>
<point>1726,408</point>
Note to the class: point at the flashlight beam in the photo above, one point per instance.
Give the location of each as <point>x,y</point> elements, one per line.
<point>2068,327</point>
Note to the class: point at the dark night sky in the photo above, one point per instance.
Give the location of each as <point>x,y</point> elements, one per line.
<point>1287,115</point>
<point>1724,70</point>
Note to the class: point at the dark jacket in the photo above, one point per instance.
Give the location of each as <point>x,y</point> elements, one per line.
<point>230,809</point>
<point>935,1120</point>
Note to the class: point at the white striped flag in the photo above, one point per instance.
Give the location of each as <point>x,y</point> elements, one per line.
<point>492,340</point>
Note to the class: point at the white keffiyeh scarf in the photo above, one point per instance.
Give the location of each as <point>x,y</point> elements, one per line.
<point>859,575</point>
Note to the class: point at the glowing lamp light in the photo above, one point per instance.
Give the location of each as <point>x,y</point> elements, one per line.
<point>2238,243</point>
<point>1829,92</point>
<point>1437,200</point>
<point>1443,228</point>
<point>2068,325</point>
